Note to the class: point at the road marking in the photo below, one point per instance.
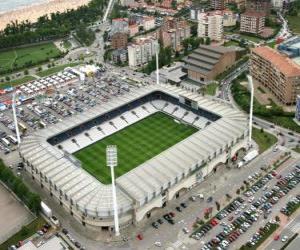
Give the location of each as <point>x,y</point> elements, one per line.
<point>295,228</point>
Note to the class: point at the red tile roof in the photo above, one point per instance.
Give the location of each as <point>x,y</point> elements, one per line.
<point>281,62</point>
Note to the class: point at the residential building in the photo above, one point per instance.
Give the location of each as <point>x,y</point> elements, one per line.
<point>276,72</point>
<point>252,22</point>
<point>229,18</point>
<point>50,244</point>
<point>119,56</point>
<point>173,31</point>
<point>297,113</point>
<point>277,4</point>
<point>119,25</point>
<point>217,4</point>
<point>148,22</point>
<point>261,6</point>
<point>127,2</point>
<point>206,62</point>
<point>290,47</point>
<point>119,40</point>
<point>240,3</point>
<point>141,51</point>
<point>210,24</point>
<point>133,29</point>
<point>172,74</point>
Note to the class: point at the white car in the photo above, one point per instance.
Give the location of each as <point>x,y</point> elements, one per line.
<point>158,244</point>
<point>284,238</point>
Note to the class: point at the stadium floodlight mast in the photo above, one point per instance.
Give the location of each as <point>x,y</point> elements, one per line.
<point>13,105</point>
<point>112,162</point>
<point>157,66</point>
<point>250,82</point>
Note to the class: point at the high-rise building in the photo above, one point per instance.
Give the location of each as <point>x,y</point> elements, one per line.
<point>276,72</point>
<point>119,40</point>
<point>173,31</point>
<point>141,51</point>
<point>119,25</point>
<point>217,4</point>
<point>297,113</point>
<point>261,6</point>
<point>252,22</point>
<point>210,24</point>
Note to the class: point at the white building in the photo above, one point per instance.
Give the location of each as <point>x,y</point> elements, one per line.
<point>229,18</point>
<point>277,4</point>
<point>141,51</point>
<point>210,24</point>
<point>149,22</point>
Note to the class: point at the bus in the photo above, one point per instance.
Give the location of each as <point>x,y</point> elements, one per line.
<point>12,139</point>
<point>5,142</point>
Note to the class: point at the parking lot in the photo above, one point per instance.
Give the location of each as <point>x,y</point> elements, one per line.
<point>61,101</point>
<point>12,214</point>
<point>251,215</point>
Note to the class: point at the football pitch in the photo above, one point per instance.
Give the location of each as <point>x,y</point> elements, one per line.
<point>136,144</point>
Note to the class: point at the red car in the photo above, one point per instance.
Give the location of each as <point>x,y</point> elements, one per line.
<point>172,214</point>
<point>214,222</point>
<point>274,173</point>
<point>279,176</point>
<point>276,237</point>
<point>139,236</point>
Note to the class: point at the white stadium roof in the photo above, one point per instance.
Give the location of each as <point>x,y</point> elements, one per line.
<point>144,181</point>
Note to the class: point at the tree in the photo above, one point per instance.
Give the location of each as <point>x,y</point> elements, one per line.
<point>174,4</point>
<point>207,41</point>
<point>218,205</point>
<point>7,78</point>
<point>277,218</point>
<point>26,72</point>
<point>238,191</point>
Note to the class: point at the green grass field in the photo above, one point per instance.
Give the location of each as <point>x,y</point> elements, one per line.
<point>25,57</point>
<point>136,144</point>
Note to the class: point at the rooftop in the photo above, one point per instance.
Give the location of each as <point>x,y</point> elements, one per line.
<point>281,62</point>
<point>253,14</point>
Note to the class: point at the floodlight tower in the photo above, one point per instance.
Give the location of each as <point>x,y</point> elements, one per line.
<point>250,82</point>
<point>112,162</point>
<point>157,67</point>
<point>13,105</point>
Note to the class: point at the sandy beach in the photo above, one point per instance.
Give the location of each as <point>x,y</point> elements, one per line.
<point>31,13</point>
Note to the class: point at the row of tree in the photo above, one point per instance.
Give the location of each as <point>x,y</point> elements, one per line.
<point>164,58</point>
<point>57,25</point>
<point>31,200</point>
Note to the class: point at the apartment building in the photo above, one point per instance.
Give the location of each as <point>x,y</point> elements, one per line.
<point>252,22</point>
<point>229,18</point>
<point>119,25</point>
<point>261,6</point>
<point>210,24</point>
<point>148,22</point>
<point>141,51</point>
<point>217,4</point>
<point>133,29</point>
<point>119,40</point>
<point>276,72</point>
<point>173,31</point>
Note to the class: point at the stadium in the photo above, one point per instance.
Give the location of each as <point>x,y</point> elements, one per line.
<point>168,141</point>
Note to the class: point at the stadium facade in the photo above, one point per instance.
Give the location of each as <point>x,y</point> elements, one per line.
<point>223,131</point>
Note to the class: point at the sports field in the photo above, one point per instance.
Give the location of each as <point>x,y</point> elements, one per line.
<point>136,144</point>
<point>28,56</point>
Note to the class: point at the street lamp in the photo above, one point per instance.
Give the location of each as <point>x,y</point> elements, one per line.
<point>250,82</point>
<point>112,162</point>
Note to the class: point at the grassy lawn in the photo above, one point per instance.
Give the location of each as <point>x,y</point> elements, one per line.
<point>25,57</point>
<point>210,89</point>
<point>294,24</point>
<point>250,38</point>
<point>24,233</point>
<point>242,97</point>
<point>231,43</point>
<point>17,82</point>
<point>297,149</point>
<point>136,144</point>
<point>263,139</point>
<point>56,69</point>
